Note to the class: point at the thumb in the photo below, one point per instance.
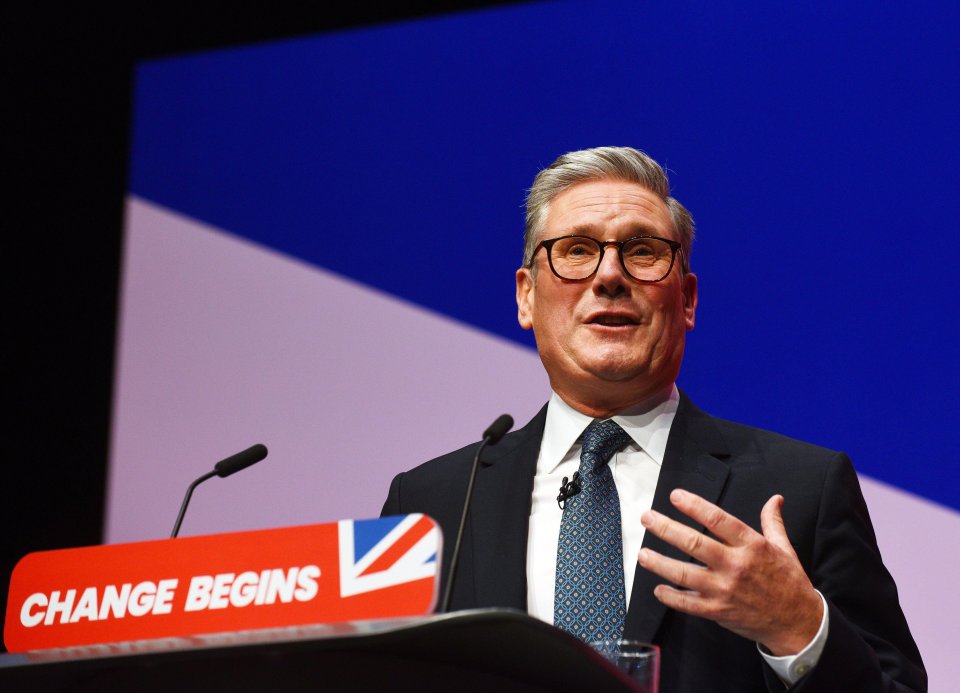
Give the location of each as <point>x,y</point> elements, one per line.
<point>771,522</point>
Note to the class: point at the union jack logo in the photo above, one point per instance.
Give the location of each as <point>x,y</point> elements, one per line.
<point>389,551</point>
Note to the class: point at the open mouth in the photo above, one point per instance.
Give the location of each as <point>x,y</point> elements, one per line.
<point>612,320</point>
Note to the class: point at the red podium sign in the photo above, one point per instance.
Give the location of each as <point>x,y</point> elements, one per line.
<point>327,573</point>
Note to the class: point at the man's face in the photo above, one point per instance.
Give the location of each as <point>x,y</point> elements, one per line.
<point>609,341</point>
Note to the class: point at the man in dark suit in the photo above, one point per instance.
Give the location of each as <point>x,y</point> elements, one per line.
<point>747,556</point>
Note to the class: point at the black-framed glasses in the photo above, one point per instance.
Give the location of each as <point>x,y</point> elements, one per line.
<point>575,258</point>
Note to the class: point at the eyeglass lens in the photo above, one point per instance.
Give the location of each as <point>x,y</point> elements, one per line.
<point>578,257</point>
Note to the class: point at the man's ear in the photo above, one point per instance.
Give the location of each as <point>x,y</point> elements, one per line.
<point>690,299</point>
<point>525,298</point>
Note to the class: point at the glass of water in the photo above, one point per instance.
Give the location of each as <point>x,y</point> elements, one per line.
<point>639,661</point>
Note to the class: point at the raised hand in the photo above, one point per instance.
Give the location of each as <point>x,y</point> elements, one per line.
<point>750,583</point>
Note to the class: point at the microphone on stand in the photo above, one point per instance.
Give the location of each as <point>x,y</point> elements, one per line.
<point>223,468</point>
<point>491,436</point>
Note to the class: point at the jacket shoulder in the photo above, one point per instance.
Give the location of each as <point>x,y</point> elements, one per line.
<point>437,481</point>
<point>734,438</point>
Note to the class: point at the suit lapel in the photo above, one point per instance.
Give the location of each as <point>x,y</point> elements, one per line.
<point>695,460</point>
<point>500,516</point>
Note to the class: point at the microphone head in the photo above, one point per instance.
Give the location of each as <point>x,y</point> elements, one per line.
<point>241,460</point>
<point>498,429</point>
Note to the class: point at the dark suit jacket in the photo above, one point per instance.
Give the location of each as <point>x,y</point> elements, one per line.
<point>869,647</point>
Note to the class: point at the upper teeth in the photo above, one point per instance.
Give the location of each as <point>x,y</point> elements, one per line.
<point>612,320</point>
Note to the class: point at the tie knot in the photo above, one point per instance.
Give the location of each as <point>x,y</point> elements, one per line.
<point>600,441</point>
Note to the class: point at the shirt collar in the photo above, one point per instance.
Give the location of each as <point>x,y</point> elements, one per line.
<point>648,426</point>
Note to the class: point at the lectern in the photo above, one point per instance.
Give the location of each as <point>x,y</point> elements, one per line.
<point>342,606</point>
<point>498,650</point>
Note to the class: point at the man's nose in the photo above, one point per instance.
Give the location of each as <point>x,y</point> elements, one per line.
<point>610,275</point>
<point>610,266</point>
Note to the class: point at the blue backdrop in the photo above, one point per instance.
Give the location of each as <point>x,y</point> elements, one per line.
<point>816,146</point>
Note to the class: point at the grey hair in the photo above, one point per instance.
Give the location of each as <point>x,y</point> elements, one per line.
<point>602,163</point>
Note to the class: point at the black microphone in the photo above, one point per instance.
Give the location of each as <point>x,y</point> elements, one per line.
<point>241,460</point>
<point>223,468</point>
<point>568,489</point>
<point>498,429</point>
<point>491,436</point>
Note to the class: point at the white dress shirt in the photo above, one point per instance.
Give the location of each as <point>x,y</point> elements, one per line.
<point>635,469</point>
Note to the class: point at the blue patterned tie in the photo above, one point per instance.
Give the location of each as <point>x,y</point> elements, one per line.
<point>589,599</point>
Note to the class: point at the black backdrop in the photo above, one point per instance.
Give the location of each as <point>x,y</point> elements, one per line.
<point>67,80</point>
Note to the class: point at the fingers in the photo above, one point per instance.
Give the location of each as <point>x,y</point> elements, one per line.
<point>771,522</point>
<point>749,582</point>
<point>728,529</point>
<point>692,542</point>
<point>693,583</point>
<point>718,522</point>
<point>727,554</point>
<point>687,601</point>
<point>682,573</point>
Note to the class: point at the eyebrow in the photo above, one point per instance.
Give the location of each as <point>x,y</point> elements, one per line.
<point>589,230</point>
